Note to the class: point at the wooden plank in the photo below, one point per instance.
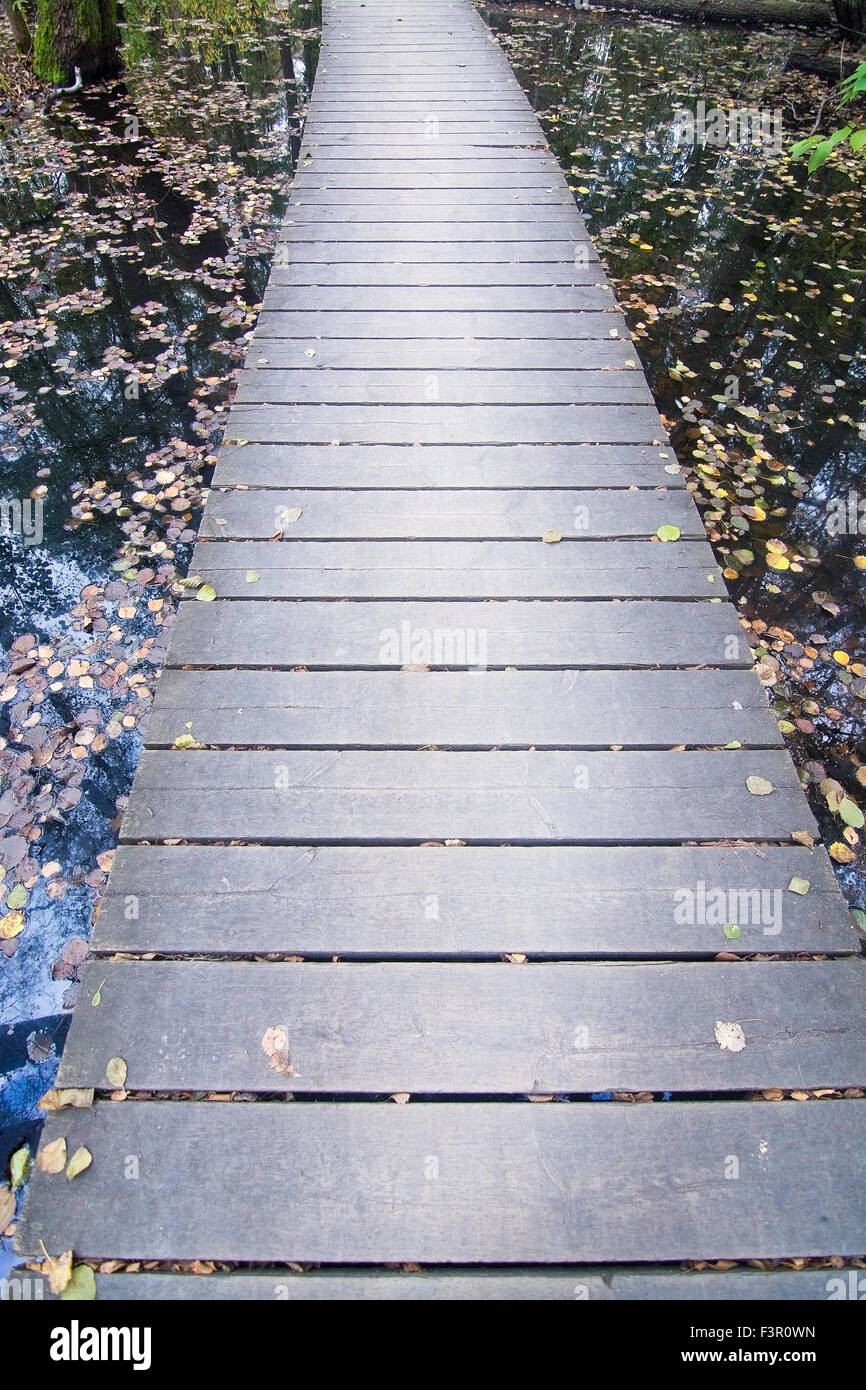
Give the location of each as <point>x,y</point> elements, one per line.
<point>409,324</point>
<point>455,211</point>
<point>415,276</point>
<point>431,252</point>
<point>417,387</point>
<point>555,635</point>
<point>459,569</point>
<point>379,200</point>
<point>570,901</point>
<point>443,424</point>
<point>438,298</point>
<point>487,1285</point>
<point>520,514</point>
<point>429,1183</point>
<point>441,354</point>
<point>471,1029</point>
<point>552,228</point>
<point>433,466</point>
<point>486,797</point>
<point>568,709</point>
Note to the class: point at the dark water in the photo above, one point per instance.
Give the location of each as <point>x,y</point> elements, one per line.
<point>742,281</point>
<point>136,230</point>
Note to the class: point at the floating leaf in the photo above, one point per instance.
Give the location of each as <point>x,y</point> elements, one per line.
<point>81,1159</point>
<point>82,1285</point>
<point>116,1073</point>
<point>19,1164</point>
<point>851,813</point>
<point>18,897</point>
<point>12,925</point>
<point>778,562</point>
<point>841,853</point>
<point>206,594</point>
<point>51,1158</point>
<point>759,786</point>
<point>799,885</point>
<point>668,533</point>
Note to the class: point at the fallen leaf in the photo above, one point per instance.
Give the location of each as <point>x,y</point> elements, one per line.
<point>759,786</point>
<point>841,853</point>
<point>77,1097</point>
<point>802,837</point>
<point>12,925</point>
<point>82,1285</point>
<point>402,1097</point>
<point>799,885</point>
<point>730,1037</point>
<point>58,1270</point>
<point>81,1159</point>
<point>206,594</point>
<point>51,1158</point>
<point>275,1046</point>
<point>551,537</point>
<point>7,1206</point>
<point>115,1073</point>
<point>668,533</point>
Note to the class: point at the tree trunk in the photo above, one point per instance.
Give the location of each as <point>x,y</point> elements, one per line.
<point>20,31</point>
<point>851,17</point>
<point>810,14</point>
<point>74,34</point>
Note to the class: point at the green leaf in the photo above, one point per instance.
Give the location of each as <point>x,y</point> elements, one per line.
<point>81,1159</point>
<point>803,145</point>
<point>851,813</point>
<point>799,885</point>
<point>19,1165</point>
<point>17,898</point>
<point>668,533</point>
<point>858,140</point>
<point>82,1285</point>
<point>96,999</point>
<point>206,594</point>
<point>759,786</point>
<point>732,931</point>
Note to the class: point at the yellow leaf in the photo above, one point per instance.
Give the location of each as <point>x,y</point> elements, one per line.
<point>778,562</point>
<point>81,1159</point>
<point>841,853</point>
<point>842,657</point>
<point>551,537</point>
<point>11,925</point>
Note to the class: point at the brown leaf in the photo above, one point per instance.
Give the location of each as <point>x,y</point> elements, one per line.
<point>275,1046</point>
<point>51,1158</point>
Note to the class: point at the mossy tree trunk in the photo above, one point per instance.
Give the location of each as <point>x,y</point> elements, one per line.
<point>851,16</point>
<point>74,34</point>
<point>20,30</point>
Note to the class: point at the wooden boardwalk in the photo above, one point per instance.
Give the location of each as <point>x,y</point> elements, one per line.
<point>469,811</point>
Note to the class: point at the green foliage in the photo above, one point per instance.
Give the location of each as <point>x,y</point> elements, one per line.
<point>822,147</point>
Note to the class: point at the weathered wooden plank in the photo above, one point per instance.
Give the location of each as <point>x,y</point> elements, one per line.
<point>459,569</point>
<point>570,901</point>
<point>414,275</point>
<point>384,709</point>
<point>432,466</point>
<point>419,387</point>
<point>471,1029</point>
<point>552,228</point>
<point>488,1285</point>
<point>453,211</point>
<point>444,424</point>
<point>380,200</point>
<point>376,635</point>
<point>427,355</point>
<point>438,298</point>
<point>519,514</point>
<point>402,324</point>
<point>365,1183</point>
<point>431,252</point>
<point>487,797</point>
<point>422,179</point>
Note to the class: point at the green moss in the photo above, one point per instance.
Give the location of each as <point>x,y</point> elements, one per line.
<point>47,62</point>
